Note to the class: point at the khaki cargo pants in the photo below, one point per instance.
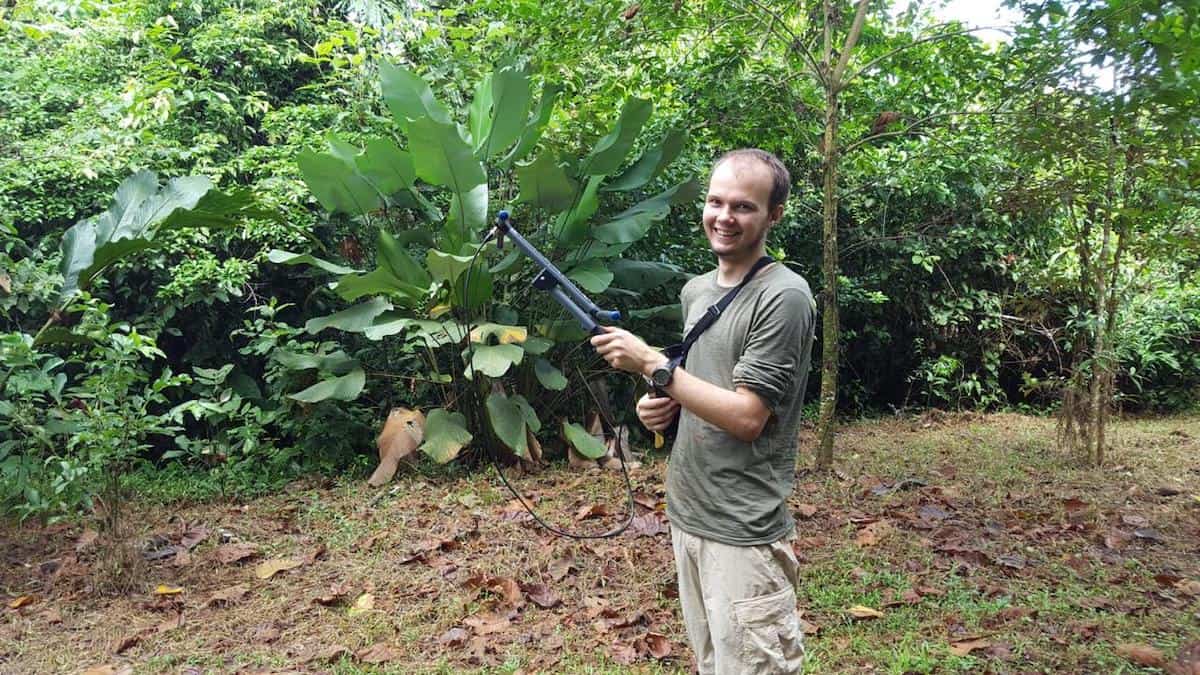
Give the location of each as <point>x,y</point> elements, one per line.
<point>739,605</point>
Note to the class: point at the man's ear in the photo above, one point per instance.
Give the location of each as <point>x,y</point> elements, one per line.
<point>776,214</point>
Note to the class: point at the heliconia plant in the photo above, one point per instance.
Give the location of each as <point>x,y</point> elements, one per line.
<point>486,336</point>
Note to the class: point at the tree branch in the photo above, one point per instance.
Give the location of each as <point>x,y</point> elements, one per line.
<point>860,16</point>
<point>870,64</point>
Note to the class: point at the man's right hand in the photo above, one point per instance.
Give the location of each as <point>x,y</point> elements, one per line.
<point>657,413</point>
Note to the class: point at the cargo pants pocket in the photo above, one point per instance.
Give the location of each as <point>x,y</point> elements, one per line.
<point>769,632</point>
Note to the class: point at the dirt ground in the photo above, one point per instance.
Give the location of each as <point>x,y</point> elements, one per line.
<point>942,543</point>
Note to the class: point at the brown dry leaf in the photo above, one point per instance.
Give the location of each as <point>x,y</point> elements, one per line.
<point>657,645</point>
<point>266,633</point>
<point>166,589</point>
<point>50,615</point>
<point>965,647</point>
<point>542,596</point>
<point>1143,655</point>
<point>874,533</point>
<point>647,525</point>
<point>806,511</point>
<point>1135,521</point>
<point>487,623</point>
<point>86,541</point>
<point>330,654</point>
<point>508,589</point>
<point>809,627</point>
<point>1074,504</point>
<point>622,652</point>
<point>378,653</point>
<point>227,596</point>
<point>455,637</point>
<point>1188,587</point>
<point>193,536</point>
<point>129,642</point>
<point>313,554</point>
<point>364,603</point>
<point>336,595</point>
<point>269,568</point>
<point>22,601</point>
<point>591,511</point>
<point>863,612</point>
<point>231,553</point>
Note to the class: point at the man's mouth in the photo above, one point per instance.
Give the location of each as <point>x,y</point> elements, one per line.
<point>725,235</point>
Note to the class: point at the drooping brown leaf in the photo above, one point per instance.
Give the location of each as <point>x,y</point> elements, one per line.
<point>864,612</point>
<point>542,596</point>
<point>193,536</point>
<point>591,511</point>
<point>486,623</point>
<point>507,589</point>
<point>230,553</point>
<point>657,645</point>
<point>622,652</point>
<point>269,568</point>
<point>227,596</point>
<point>965,647</point>
<point>1143,655</point>
<point>336,594</point>
<point>631,11</point>
<point>379,653</point>
<point>22,601</point>
<point>647,525</point>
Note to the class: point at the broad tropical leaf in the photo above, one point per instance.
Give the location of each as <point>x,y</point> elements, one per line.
<point>445,435</point>
<point>611,150</point>
<point>494,360</point>
<point>652,162</point>
<point>534,127</point>
<point>510,106</point>
<point>584,443</point>
<point>408,96</point>
<point>545,184</point>
<point>550,376</point>
<point>344,388</point>
<point>504,334</point>
<point>641,275</point>
<point>337,184</point>
<point>592,275</point>
<point>337,362</point>
<point>508,421</point>
<point>353,320</point>
<point>479,120</point>
<point>442,157</point>
<point>633,223</point>
<point>288,258</point>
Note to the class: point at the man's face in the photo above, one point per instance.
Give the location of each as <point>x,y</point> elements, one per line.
<point>736,213</point>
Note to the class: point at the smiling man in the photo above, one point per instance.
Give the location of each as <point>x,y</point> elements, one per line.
<point>738,396</point>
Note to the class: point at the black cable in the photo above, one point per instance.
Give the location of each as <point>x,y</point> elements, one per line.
<point>600,410</point>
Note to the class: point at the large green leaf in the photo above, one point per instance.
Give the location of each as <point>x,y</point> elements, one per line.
<point>610,151</point>
<point>379,281</point>
<point>571,227</point>
<point>288,258</point>
<point>592,275</point>
<point>337,362</point>
<point>408,96</point>
<point>337,184</point>
<point>344,388</point>
<point>633,223</point>
<point>445,266</point>
<point>510,106</point>
<point>473,289</point>
<point>550,376</point>
<point>652,162</point>
<point>353,320</point>
<point>508,422</point>
<point>545,184</point>
<point>139,209</point>
<point>673,313</point>
<point>445,435</point>
<point>534,127</point>
<point>527,411</point>
<point>494,360</point>
<point>385,166</point>
<point>468,213</point>
<point>397,260</point>
<point>442,157</point>
<point>641,275</point>
<point>584,443</point>
<point>479,119</point>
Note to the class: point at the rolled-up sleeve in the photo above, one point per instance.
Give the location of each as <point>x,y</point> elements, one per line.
<point>770,363</point>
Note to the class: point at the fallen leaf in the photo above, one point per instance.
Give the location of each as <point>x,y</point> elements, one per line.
<point>806,511</point>
<point>330,654</point>
<point>22,601</point>
<point>657,645</point>
<point>164,589</point>
<point>364,603</point>
<point>378,653</point>
<point>266,633</point>
<point>313,554</point>
<point>1012,561</point>
<point>862,612</point>
<point>1134,520</point>
<point>231,553</point>
<point>455,637</point>
<point>647,525</point>
<point>508,589</point>
<point>591,511</point>
<point>193,536</point>
<point>182,558</point>
<point>542,596</point>
<point>965,647</point>
<point>128,642</point>
<point>86,541</point>
<point>487,623</point>
<point>873,533</point>
<point>1189,587</point>
<point>269,568</point>
<point>50,615</point>
<point>1148,534</point>
<point>809,627</point>
<point>1073,504</point>
<point>1143,655</point>
<point>623,653</point>
<point>227,596</point>
<point>336,595</point>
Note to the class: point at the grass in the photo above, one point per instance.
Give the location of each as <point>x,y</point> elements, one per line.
<point>1009,557</point>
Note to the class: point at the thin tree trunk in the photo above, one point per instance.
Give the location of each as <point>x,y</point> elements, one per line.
<point>829,299</point>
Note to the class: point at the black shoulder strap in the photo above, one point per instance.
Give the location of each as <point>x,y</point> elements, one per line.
<point>680,351</point>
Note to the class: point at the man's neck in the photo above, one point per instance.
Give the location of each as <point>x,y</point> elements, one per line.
<point>731,272</point>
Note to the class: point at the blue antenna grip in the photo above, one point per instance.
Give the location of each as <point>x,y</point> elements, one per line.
<point>614,315</point>
<point>502,216</point>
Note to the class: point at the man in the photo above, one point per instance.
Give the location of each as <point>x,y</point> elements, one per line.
<point>732,466</point>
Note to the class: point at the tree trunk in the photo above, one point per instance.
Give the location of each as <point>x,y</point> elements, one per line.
<point>829,273</point>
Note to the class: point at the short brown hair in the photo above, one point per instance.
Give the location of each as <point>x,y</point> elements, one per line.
<point>781,180</point>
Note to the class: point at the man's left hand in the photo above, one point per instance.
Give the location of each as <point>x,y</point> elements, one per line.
<point>625,351</point>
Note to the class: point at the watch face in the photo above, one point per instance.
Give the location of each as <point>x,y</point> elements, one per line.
<point>661,377</point>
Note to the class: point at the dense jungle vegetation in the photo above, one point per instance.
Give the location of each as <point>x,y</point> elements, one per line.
<point>234,235</point>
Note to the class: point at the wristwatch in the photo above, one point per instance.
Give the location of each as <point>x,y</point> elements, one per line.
<point>661,376</point>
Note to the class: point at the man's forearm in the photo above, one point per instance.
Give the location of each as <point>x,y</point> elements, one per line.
<point>741,413</point>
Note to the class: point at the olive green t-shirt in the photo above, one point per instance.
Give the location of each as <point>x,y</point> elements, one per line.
<point>719,487</point>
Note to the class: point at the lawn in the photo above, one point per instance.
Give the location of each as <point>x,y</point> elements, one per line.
<point>942,543</point>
